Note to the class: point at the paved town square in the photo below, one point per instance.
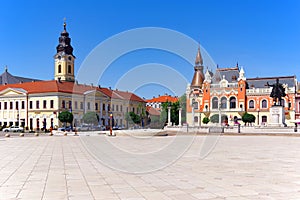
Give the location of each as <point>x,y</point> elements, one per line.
<point>66,167</point>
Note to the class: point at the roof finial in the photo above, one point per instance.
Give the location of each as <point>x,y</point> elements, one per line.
<point>199,57</point>
<point>6,69</point>
<point>65,24</point>
<point>237,64</point>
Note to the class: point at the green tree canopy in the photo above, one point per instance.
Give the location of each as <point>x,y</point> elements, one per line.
<point>215,118</point>
<point>206,120</point>
<point>91,118</point>
<point>248,118</point>
<point>65,117</point>
<point>131,117</point>
<point>174,111</point>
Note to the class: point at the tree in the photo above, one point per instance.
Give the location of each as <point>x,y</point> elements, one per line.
<point>182,101</point>
<point>206,120</point>
<point>65,117</point>
<point>174,112</point>
<point>215,118</point>
<point>133,118</point>
<point>248,118</point>
<point>91,118</point>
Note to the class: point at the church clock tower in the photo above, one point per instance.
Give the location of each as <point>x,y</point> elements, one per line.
<point>64,58</point>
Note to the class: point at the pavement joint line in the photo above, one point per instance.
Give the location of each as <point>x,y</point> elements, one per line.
<point>86,182</point>
<point>45,147</point>
<point>16,168</point>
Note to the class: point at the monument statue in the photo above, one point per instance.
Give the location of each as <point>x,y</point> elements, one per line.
<point>277,92</point>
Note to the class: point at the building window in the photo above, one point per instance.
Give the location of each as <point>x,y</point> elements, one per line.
<point>51,104</point>
<point>113,107</point>
<point>232,101</point>
<point>132,109</point>
<point>264,119</point>
<point>59,68</point>
<point>195,119</point>
<point>69,69</point>
<point>23,105</point>
<point>215,103</point>
<point>103,106</point>
<point>264,104</point>
<point>88,105</point>
<point>81,105</point>
<point>70,105</point>
<point>63,104</point>
<point>251,104</point>
<point>96,106</point>
<point>30,105</point>
<point>37,104</point>
<point>127,109</point>
<point>117,108</point>
<point>121,108</point>
<point>11,105</point>
<point>108,107</point>
<point>0,107</point>
<point>45,104</point>
<point>5,105</point>
<point>223,102</point>
<point>17,105</point>
<point>38,124</point>
<point>76,105</point>
<point>195,104</point>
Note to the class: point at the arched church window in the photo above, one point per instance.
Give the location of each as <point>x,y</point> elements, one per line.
<point>223,102</point>
<point>232,101</point>
<point>69,69</point>
<point>59,68</point>
<point>264,104</point>
<point>251,104</point>
<point>215,103</point>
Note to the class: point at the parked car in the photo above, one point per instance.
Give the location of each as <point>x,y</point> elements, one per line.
<point>68,129</point>
<point>13,129</point>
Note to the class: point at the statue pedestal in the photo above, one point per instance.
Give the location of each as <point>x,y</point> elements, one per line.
<point>277,116</point>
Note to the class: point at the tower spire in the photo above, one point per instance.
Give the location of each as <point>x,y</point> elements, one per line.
<point>199,60</point>
<point>198,77</point>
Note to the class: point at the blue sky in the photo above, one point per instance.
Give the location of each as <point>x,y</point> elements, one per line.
<point>263,36</point>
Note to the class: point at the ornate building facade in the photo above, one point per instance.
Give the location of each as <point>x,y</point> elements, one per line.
<point>36,104</point>
<point>229,92</point>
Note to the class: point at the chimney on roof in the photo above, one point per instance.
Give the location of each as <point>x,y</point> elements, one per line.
<point>76,82</point>
<point>92,84</point>
<point>116,89</point>
<point>57,79</point>
<point>99,86</point>
<point>109,88</point>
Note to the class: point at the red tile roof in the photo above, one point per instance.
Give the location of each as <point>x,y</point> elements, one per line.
<point>69,87</point>
<point>162,99</point>
<point>152,111</point>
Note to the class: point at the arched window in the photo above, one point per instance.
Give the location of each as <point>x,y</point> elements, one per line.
<point>264,104</point>
<point>59,68</point>
<point>215,103</point>
<point>195,104</point>
<point>232,101</point>
<point>195,119</point>
<point>251,104</point>
<point>69,69</point>
<point>223,102</point>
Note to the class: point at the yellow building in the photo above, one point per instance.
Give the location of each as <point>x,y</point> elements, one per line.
<point>36,104</point>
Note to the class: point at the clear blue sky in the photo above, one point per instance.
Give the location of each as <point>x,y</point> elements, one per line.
<point>262,35</point>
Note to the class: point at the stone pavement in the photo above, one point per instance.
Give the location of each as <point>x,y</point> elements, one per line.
<point>63,167</point>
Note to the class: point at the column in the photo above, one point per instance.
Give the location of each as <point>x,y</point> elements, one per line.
<point>169,116</point>
<point>179,124</point>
